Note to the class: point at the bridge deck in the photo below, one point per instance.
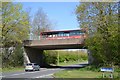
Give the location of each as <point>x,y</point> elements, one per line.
<point>55,44</point>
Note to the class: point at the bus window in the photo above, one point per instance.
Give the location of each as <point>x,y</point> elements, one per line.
<point>61,34</point>
<point>50,36</point>
<point>53,35</point>
<point>67,34</point>
<point>72,33</point>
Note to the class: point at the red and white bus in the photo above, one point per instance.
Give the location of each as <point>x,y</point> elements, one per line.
<point>66,34</point>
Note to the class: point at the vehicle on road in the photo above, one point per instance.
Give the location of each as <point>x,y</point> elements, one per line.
<point>66,34</point>
<point>32,67</point>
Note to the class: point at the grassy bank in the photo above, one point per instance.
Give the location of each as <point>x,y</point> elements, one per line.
<point>70,63</point>
<point>82,73</point>
<point>53,57</point>
<point>12,69</point>
<point>0,69</point>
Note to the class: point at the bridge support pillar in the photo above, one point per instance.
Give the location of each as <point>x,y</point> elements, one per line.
<point>90,57</point>
<point>34,55</point>
<point>26,59</point>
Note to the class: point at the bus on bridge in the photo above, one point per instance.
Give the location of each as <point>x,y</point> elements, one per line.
<point>66,34</point>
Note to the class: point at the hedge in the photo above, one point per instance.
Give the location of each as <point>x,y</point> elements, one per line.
<point>51,57</point>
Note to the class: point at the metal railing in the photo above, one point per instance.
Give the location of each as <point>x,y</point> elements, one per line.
<point>33,37</point>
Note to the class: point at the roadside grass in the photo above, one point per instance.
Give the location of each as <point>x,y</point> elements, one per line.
<point>76,74</point>
<point>13,69</point>
<point>70,63</point>
<point>83,73</point>
<point>0,69</point>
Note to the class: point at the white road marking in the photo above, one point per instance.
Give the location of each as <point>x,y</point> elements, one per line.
<point>44,76</point>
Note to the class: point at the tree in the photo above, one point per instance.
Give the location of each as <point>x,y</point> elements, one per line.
<point>15,28</point>
<point>101,19</point>
<point>40,23</point>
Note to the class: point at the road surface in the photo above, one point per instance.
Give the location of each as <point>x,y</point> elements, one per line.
<point>43,73</point>
<point>32,74</point>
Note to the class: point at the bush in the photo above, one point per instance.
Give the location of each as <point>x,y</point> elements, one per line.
<point>51,57</point>
<point>13,59</point>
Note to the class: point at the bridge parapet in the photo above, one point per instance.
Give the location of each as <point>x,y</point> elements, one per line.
<point>53,42</point>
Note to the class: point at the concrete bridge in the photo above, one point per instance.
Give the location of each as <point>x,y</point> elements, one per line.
<point>34,48</point>
<point>45,44</point>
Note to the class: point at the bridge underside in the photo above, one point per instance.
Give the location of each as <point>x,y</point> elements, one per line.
<point>34,48</point>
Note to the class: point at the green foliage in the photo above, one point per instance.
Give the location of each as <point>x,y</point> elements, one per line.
<point>13,69</point>
<point>0,59</point>
<point>15,24</point>
<point>15,29</point>
<point>15,58</point>
<point>71,56</point>
<point>101,19</point>
<point>51,57</point>
<point>86,72</point>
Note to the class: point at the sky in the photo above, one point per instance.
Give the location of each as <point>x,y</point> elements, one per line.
<point>61,14</point>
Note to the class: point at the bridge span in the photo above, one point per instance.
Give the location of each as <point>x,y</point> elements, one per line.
<point>70,39</point>
<point>34,48</point>
<point>45,44</point>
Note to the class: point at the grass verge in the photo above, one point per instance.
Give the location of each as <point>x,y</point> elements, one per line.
<point>82,73</point>
<point>70,63</point>
<point>12,69</point>
<point>0,69</point>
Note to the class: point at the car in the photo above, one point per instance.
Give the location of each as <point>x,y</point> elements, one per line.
<point>32,67</point>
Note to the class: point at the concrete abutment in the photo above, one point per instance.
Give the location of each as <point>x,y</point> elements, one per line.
<point>90,57</point>
<point>34,55</point>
